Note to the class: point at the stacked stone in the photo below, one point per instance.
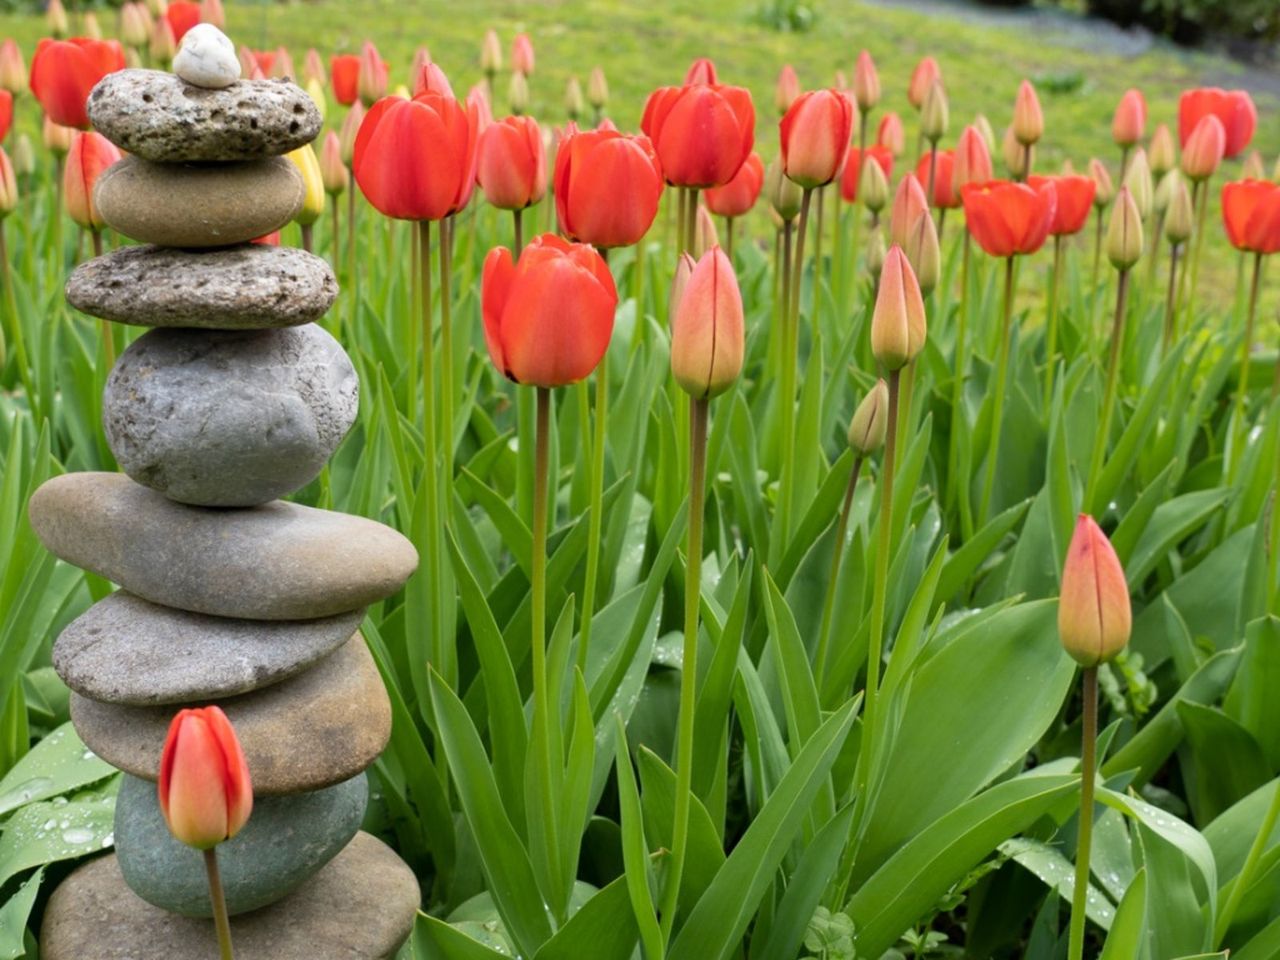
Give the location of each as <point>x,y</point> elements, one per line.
<point>228,595</point>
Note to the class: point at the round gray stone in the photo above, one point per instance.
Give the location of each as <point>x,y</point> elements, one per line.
<point>229,418</point>
<point>237,288</point>
<point>199,205</point>
<point>279,561</point>
<point>128,650</point>
<point>158,117</point>
<point>284,843</point>
<point>313,730</point>
<point>361,906</point>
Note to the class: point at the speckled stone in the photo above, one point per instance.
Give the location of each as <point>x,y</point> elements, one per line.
<point>128,650</point>
<point>313,730</point>
<point>229,418</point>
<point>285,841</point>
<point>255,286</point>
<point>279,561</point>
<point>199,205</point>
<point>361,906</point>
<point>156,116</point>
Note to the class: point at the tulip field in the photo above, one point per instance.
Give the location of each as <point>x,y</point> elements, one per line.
<point>841,465</point>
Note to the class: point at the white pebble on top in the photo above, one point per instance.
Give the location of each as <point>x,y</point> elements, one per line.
<point>207,58</point>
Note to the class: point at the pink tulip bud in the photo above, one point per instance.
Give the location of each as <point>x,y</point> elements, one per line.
<point>522,55</point>
<point>891,135</point>
<point>211,12</point>
<point>787,89</point>
<point>1104,189</point>
<point>350,129</point>
<point>371,81</point>
<point>1130,120</point>
<point>707,337</point>
<point>972,160</point>
<point>1094,616</point>
<point>908,203</point>
<point>13,71</point>
<point>333,171</point>
<point>1204,149</point>
<point>866,82</point>
<point>922,78</point>
<point>1028,119</point>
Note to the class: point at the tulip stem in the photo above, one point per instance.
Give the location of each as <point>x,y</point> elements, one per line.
<point>1170,302</point>
<point>1084,841</point>
<point>335,244</point>
<point>691,223</point>
<point>595,522</point>
<point>683,242</point>
<point>446,350</point>
<point>58,253</point>
<point>1109,393</point>
<point>933,172</point>
<point>108,340</point>
<point>1242,388</point>
<point>19,339</point>
<point>429,478</point>
<point>698,408</point>
<point>997,413</point>
<point>1097,255</point>
<point>1051,341</point>
<point>308,233</point>
<point>837,552</point>
<point>353,276</point>
<point>817,248</point>
<point>1202,209</point>
<point>728,238</point>
<point>221,922</point>
<point>959,364</point>
<point>517,217</point>
<point>790,357</point>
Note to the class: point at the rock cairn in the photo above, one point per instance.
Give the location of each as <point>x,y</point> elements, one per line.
<point>227,595</point>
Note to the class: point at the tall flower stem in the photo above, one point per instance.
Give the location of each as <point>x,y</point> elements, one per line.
<point>933,171</point>
<point>353,275</point>
<point>698,408</point>
<point>683,242</point>
<point>959,364</point>
<point>308,237</point>
<point>691,221</point>
<point>221,923</point>
<point>1171,300</point>
<point>728,237</point>
<point>429,475</point>
<point>790,355</point>
<point>1242,388</point>
<point>1202,210</point>
<point>1084,841</point>
<point>517,217</point>
<point>817,240</point>
<point>595,522</point>
<point>446,360</point>
<point>56,215</point>
<point>997,414</point>
<point>335,241</point>
<point>1051,337</point>
<point>18,336</point>
<point>837,552</point>
<point>1097,249</point>
<point>1109,393</point>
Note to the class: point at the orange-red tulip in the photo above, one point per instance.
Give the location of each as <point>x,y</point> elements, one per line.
<point>607,187</point>
<point>739,195</point>
<point>891,135</point>
<point>13,70</point>
<point>1251,213</point>
<point>522,54</point>
<point>6,113</point>
<point>702,70</point>
<point>1205,148</point>
<point>944,191</point>
<point>703,133</point>
<point>64,71</point>
<point>511,164</point>
<point>898,326</point>
<point>909,202</point>
<point>1234,108</point>
<point>866,82</point>
<point>972,160</point>
<point>182,16</point>
<point>815,137</point>
<point>707,338</point>
<point>922,78</point>
<point>1073,194</point>
<point>344,75</point>
<point>90,154</point>
<point>787,88</point>
<point>850,178</point>
<point>371,77</point>
<point>1009,218</point>
<point>1028,118</point>
<point>1094,615</point>
<point>204,789</point>
<point>1130,121</point>
<point>416,159</point>
<point>547,317</point>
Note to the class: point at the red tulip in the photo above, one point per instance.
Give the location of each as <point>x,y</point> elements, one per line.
<point>972,160</point>
<point>344,74</point>
<point>8,186</point>
<point>1251,213</point>
<point>701,70</point>
<point>815,137</point>
<point>891,135</point>
<point>739,195</point>
<point>850,178</point>
<point>944,191</point>
<point>416,159</point>
<point>522,54</point>
<point>1074,196</point>
<point>703,133</point>
<point>787,88</point>
<point>90,154</point>
<point>205,792</point>
<point>608,185</point>
<point>271,239</point>
<point>63,72</point>
<point>922,77</point>
<point>1094,614</point>
<point>1205,148</point>
<point>371,78</point>
<point>707,328</point>
<point>1130,121</point>
<point>6,112</point>
<point>909,202</point>
<point>547,317</point>
<point>511,164</point>
<point>1233,107</point>
<point>1009,218</point>
<point>182,16</point>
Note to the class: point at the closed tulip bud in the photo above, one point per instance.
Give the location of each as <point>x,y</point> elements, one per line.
<point>55,18</point>
<point>891,135</point>
<point>547,317</point>
<point>316,92</point>
<point>490,53</point>
<point>574,101</point>
<point>876,253</point>
<point>13,71</point>
<point>597,89</point>
<point>518,93</point>
<point>923,252</point>
<point>815,135</point>
<point>1094,615</point>
<point>24,156</point>
<point>783,192</point>
<point>1124,232</point>
<point>132,59</point>
<point>866,82</point>
<point>57,138</point>
<point>91,27</point>
<point>8,186</point>
<point>522,55</point>
<point>840,82</point>
<point>205,792</point>
<point>1253,168</point>
<point>787,89</point>
<point>211,12</point>
<point>1179,217</point>
<point>1164,192</point>
<point>1130,120</point>
<point>1016,155</point>
<point>898,322</point>
<point>304,158</point>
<point>934,114</point>
<point>344,75</point>
<point>431,79</point>
<point>739,195</point>
<point>135,24</point>
<point>702,70</point>
<point>705,236</point>
<point>333,171</point>
<point>922,78</point>
<point>972,160</point>
<point>371,79</point>
<point>873,189</point>
<point>313,68</point>
<point>707,333</point>
<point>1104,190</point>
<point>163,44</point>
<point>870,421</point>
<point>250,70</point>
<point>421,60</point>
<point>281,65</point>
<point>908,203</point>
<point>684,270</point>
<point>1028,120</point>
<point>983,126</point>
<point>91,153</point>
<point>351,124</point>
<point>1204,149</point>
<point>1138,179</point>
<point>1161,153</point>
<point>478,100</point>
<point>511,163</point>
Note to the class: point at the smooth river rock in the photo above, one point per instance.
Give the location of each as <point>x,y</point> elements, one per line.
<point>361,906</point>
<point>156,116</point>
<point>284,843</point>
<point>249,287</point>
<point>229,418</point>
<point>313,730</point>
<point>279,561</point>
<point>128,650</point>
<point>199,205</point>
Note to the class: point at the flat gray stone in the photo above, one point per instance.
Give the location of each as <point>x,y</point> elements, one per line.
<point>157,116</point>
<point>361,906</point>
<point>130,651</point>
<point>284,843</point>
<point>313,730</point>
<point>199,205</point>
<point>237,288</point>
<point>229,418</point>
<point>279,561</point>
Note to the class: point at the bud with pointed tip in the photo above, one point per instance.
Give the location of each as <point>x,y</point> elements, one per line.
<point>684,270</point>
<point>333,172</point>
<point>1162,155</point>
<point>8,185</point>
<point>972,160</point>
<point>984,127</point>
<point>1104,189</point>
<point>522,55</point>
<point>350,130</point>
<point>934,113</point>
<point>307,164</point>
<point>1179,217</point>
<point>891,135</point>
<point>1164,192</point>
<point>866,82</point>
<point>13,71</point>
<point>787,88</point>
<point>163,44</point>
<point>898,321</point>
<point>371,80</point>
<point>211,12</point>
<point>784,193</point>
<point>873,189</point>
<point>135,24</point>
<point>204,788</point>
<point>1204,149</point>
<point>870,421</point>
<point>707,336</point>
<point>1028,119</point>
<point>1252,168</point>
<point>518,93</point>
<point>923,252</point>
<point>57,138</point>
<point>1016,155</point>
<point>1124,232</point>
<point>1138,179</point>
<point>574,101</point>
<point>875,253</point>
<point>282,65</point>
<point>597,89</point>
<point>24,156</point>
<point>55,18</point>
<point>490,53</point>
<point>908,203</point>
<point>705,236</point>
<point>91,153</point>
<point>1130,120</point>
<point>1094,614</point>
<point>922,77</point>
<point>91,28</point>
<point>315,90</point>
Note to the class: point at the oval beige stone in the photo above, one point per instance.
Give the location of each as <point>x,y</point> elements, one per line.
<point>199,205</point>
<point>277,561</point>
<point>360,906</point>
<point>313,730</point>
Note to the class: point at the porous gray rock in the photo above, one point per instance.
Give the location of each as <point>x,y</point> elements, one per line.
<point>128,650</point>
<point>157,116</point>
<point>229,418</point>
<point>249,287</point>
<point>199,205</point>
<point>278,561</point>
